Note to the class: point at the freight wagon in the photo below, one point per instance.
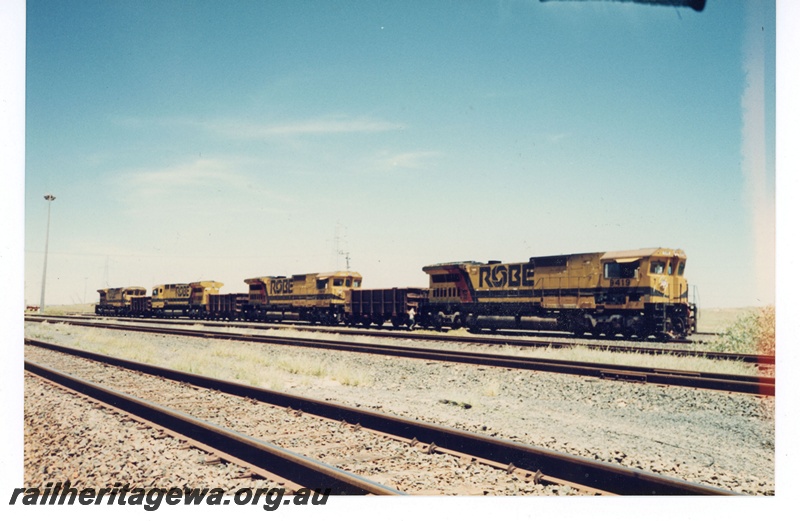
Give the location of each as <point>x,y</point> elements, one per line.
<point>377,306</point>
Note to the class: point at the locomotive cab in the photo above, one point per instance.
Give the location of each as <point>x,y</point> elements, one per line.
<point>647,290</point>
<point>337,283</point>
<point>450,294</point>
<point>647,276</point>
<point>448,283</point>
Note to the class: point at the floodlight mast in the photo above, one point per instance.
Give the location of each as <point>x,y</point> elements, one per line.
<point>49,198</point>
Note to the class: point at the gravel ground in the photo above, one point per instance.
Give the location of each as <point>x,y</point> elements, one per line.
<point>394,463</point>
<point>68,437</point>
<point>720,439</point>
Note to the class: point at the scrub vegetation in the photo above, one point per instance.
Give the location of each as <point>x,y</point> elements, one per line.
<point>753,332</point>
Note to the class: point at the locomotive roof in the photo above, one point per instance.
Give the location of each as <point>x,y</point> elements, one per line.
<point>122,288</point>
<point>454,263</point>
<point>644,252</point>
<point>628,255</point>
<point>338,274</point>
<point>326,275</point>
<point>204,283</point>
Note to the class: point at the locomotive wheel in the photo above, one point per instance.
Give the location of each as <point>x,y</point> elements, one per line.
<point>458,321</point>
<point>678,327</point>
<point>438,321</point>
<point>578,328</point>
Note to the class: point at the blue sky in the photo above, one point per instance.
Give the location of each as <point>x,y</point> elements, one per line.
<point>225,140</point>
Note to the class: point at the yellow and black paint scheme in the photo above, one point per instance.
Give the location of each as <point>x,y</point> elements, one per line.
<point>633,293</point>
<point>315,297</point>
<point>117,301</point>
<point>183,299</point>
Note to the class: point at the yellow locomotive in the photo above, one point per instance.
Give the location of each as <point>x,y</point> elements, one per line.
<point>117,301</point>
<point>633,293</point>
<point>189,299</point>
<point>315,297</point>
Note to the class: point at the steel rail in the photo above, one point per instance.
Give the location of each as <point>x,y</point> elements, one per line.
<point>293,466</point>
<point>578,341</point>
<point>475,339</point>
<point>362,329</point>
<point>702,380</point>
<point>575,469</point>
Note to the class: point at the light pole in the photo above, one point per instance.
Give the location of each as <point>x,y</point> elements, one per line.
<point>49,198</point>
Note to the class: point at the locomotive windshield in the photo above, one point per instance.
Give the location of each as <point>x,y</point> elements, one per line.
<point>657,267</point>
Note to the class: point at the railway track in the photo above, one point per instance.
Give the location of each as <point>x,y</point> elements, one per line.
<point>526,461</point>
<point>616,346</point>
<point>255,453</point>
<point>760,385</point>
<point>391,330</point>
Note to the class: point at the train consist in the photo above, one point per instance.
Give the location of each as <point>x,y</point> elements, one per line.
<point>637,293</point>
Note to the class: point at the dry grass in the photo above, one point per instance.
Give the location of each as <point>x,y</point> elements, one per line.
<point>347,375</point>
<point>222,359</point>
